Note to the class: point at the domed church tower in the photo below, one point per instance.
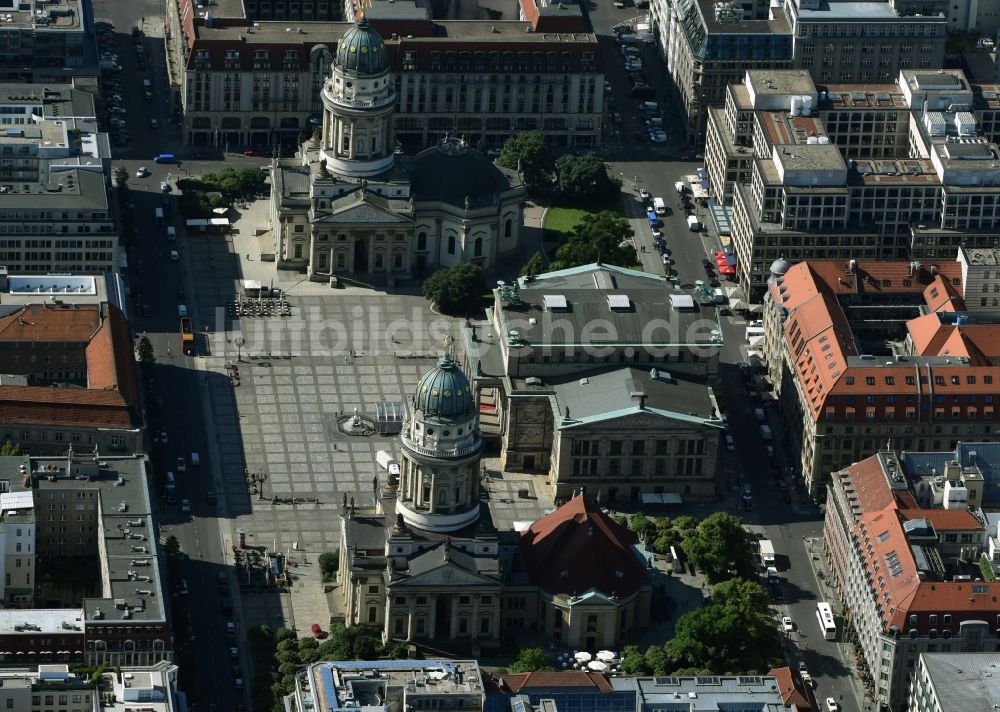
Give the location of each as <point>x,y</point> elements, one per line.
<point>359,99</point>
<point>441,448</point>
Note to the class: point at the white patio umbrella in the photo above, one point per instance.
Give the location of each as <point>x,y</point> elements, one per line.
<point>597,666</point>
<point>606,655</point>
<point>583,656</point>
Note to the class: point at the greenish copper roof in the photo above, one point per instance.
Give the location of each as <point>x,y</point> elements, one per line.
<point>361,50</point>
<point>444,391</point>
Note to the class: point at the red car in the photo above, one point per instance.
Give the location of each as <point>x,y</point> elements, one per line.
<point>249,152</point>
<point>318,632</point>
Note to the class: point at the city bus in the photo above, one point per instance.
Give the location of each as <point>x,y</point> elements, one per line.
<point>824,615</point>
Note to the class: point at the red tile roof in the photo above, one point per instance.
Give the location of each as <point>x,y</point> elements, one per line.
<point>820,338</point>
<point>39,322</point>
<point>110,359</point>
<point>38,405</point>
<point>793,690</point>
<point>516,682</point>
<point>896,585</point>
<point>577,548</point>
<point>870,485</point>
<point>111,398</point>
<point>945,520</point>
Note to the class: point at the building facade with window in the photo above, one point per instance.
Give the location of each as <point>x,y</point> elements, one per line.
<point>256,84</point>
<point>908,577</point>
<point>76,383</point>
<point>865,352</point>
<point>831,173</point>
<point>599,377</point>
<point>351,202</point>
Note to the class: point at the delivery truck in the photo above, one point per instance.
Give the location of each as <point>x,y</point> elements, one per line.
<point>766,552</point>
<point>693,224</point>
<point>387,463</point>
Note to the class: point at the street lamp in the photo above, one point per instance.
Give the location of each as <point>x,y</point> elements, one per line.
<point>239,341</point>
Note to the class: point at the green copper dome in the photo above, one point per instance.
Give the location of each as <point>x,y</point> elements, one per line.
<point>361,50</point>
<point>444,391</point>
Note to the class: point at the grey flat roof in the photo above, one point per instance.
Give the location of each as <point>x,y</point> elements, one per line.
<point>857,11</point>
<point>649,320</point>
<point>972,151</point>
<point>118,480</point>
<point>596,395</point>
<point>781,81</point>
<point>761,692</point>
<point>964,681</point>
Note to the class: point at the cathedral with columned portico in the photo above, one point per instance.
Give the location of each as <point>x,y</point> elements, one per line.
<point>351,204</point>
<point>424,561</point>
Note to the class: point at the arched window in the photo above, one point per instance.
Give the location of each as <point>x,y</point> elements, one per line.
<point>477,249</point>
<point>379,259</point>
<point>508,225</point>
<point>397,260</point>
<point>442,497</point>
<point>451,244</point>
<point>341,260</point>
<point>422,241</point>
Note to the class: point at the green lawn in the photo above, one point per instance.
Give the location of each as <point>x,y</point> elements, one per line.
<point>559,222</point>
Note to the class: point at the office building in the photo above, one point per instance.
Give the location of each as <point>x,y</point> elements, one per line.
<point>432,560</point>
<point>623,410</point>
<point>976,462</point>
<point>55,210</point>
<point>869,188</point>
<point>73,381</point>
<point>953,682</point>
<point>53,686</point>
<point>980,277</point>
<point>49,42</point>
<point>709,45</point>
<point>255,84</point>
<point>864,352</point>
<point>909,575</point>
<point>91,513</point>
<point>352,203</point>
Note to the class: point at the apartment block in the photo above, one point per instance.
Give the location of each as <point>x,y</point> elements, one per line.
<point>829,173</point>
<point>980,277</point>
<point>908,575</point>
<point>625,413</point>
<point>55,210</point>
<point>258,83</point>
<point>864,352</point>
<point>46,42</point>
<point>91,513</point>
<point>74,380</point>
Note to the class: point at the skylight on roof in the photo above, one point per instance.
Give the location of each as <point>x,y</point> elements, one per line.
<point>554,301</point>
<point>892,561</point>
<point>619,301</point>
<point>883,536</point>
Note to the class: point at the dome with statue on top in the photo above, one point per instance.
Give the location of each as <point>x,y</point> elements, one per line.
<point>361,51</point>
<point>444,391</point>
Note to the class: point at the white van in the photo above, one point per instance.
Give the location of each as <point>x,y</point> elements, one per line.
<point>659,206</point>
<point>649,106</point>
<point>170,479</point>
<point>693,224</point>
<point>195,459</point>
<point>158,214</point>
<point>182,310</point>
<point>171,232</point>
<point>387,463</point>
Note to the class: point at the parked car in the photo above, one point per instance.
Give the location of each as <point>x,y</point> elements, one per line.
<point>318,631</point>
<point>142,172</point>
<point>787,625</point>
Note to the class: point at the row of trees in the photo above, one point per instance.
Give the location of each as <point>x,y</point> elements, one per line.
<point>287,655</point>
<point>219,190</point>
<point>573,178</point>
<point>601,238</point>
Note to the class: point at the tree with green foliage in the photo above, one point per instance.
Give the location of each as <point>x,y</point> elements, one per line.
<point>733,633</point>
<point>585,178</point>
<point>634,661</point>
<point>120,174</point>
<point>640,524</point>
<point>456,289</point>
<point>532,660</point>
<point>144,349</point>
<point>9,449</point>
<point>530,154</point>
<point>329,563</point>
<point>657,660</point>
<point>171,547</point>
<point>602,238</point>
<point>719,548</point>
<point>535,266</point>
